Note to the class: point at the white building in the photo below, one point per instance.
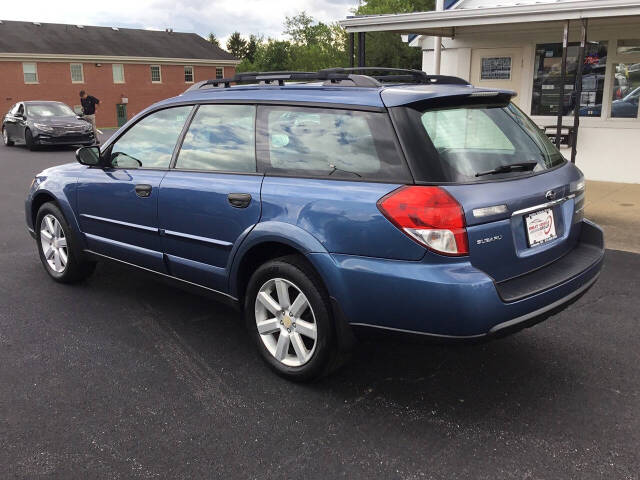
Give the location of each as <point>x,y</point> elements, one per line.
<point>518,45</point>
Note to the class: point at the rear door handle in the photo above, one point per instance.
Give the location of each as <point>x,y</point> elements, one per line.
<point>239,200</point>
<point>143,190</point>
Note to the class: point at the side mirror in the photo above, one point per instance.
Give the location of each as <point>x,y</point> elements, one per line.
<point>89,156</point>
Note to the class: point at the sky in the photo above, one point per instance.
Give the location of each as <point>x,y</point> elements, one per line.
<point>200,16</point>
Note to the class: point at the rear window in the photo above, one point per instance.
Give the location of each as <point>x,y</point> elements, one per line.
<point>343,144</point>
<point>475,143</point>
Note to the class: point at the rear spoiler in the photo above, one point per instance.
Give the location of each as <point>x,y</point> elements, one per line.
<point>497,98</point>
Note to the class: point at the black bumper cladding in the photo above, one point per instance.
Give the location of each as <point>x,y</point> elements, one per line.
<point>587,253</point>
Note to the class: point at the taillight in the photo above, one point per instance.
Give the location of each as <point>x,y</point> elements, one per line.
<point>430,216</point>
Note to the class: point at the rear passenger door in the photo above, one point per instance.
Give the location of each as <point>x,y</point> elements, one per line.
<point>210,198</point>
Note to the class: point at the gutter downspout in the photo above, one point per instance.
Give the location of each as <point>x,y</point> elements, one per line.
<point>437,43</point>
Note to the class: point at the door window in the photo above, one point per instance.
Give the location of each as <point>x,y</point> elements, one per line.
<point>344,144</point>
<point>151,141</point>
<point>221,138</point>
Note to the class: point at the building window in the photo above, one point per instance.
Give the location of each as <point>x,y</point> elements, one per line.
<point>30,72</point>
<point>156,74</point>
<point>77,73</point>
<point>118,73</point>
<point>219,72</point>
<point>547,81</point>
<point>626,90</point>
<point>496,68</point>
<point>628,46</point>
<point>188,74</point>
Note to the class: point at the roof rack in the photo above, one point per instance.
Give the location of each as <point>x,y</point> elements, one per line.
<point>374,77</point>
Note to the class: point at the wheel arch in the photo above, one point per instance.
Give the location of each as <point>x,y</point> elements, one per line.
<point>39,199</point>
<point>267,242</point>
<point>42,196</point>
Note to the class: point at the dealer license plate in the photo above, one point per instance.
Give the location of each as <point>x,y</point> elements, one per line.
<point>541,227</point>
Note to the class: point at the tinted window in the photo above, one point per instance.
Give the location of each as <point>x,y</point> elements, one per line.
<point>150,142</point>
<point>220,137</point>
<point>325,142</point>
<point>461,142</point>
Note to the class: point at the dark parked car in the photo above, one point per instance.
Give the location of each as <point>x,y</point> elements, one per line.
<point>424,206</point>
<point>626,107</point>
<point>45,123</point>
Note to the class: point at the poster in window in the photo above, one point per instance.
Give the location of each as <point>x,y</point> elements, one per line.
<point>496,68</point>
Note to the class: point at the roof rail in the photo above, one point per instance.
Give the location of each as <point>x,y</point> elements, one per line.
<point>401,75</point>
<point>372,77</point>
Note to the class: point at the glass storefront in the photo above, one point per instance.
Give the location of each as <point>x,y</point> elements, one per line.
<point>624,100</point>
<point>547,82</point>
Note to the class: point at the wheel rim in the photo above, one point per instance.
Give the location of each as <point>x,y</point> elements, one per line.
<point>5,136</point>
<point>54,243</point>
<point>287,328</point>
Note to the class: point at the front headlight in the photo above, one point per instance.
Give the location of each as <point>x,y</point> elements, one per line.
<point>44,127</point>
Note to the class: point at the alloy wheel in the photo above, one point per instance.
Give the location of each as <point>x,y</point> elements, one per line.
<point>287,328</point>
<point>5,136</point>
<point>54,243</point>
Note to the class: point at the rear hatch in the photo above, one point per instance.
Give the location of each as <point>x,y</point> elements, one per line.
<point>517,226</point>
<point>522,200</point>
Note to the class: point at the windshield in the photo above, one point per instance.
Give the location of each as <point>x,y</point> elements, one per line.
<point>49,110</point>
<point>478,142</point>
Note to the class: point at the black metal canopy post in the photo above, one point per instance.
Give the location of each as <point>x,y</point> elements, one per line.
<point>361,49</point>
<point>563,74</point>
<point>578,91</point>
<point>351,49</point>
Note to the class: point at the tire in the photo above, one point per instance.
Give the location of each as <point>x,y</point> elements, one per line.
<point>55,242</point>
<point>5,138</point>
<point>298,278</point>
<point>28,140</point>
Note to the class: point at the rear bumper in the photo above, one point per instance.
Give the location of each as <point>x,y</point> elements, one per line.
<point>456,300</point>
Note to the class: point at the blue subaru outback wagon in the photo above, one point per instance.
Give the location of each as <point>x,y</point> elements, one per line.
<point>333,202</point>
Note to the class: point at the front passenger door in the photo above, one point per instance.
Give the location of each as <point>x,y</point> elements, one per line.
<point>118,205</point>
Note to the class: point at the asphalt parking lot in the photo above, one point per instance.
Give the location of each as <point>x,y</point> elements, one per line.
<point>125,377</point>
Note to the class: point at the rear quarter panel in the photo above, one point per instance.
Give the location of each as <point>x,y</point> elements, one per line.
<point>341,215</point>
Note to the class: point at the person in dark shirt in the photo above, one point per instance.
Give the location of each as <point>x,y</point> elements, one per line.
<point>89,106</point>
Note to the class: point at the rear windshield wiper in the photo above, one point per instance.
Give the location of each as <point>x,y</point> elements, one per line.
<point>509,168</point>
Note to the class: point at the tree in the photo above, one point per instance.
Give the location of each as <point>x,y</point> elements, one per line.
<point>236,45</point>
<point>252,48</point>
<point>213,40</point>
<point>387,49</point>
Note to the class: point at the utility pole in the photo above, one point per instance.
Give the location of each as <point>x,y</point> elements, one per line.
<point>437,43</point>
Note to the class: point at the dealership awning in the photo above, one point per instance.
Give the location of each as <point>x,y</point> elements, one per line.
<point>445,23</point>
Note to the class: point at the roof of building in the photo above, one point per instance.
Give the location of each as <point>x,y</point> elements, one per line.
<point>466,4</point>
<point>61,39</point>
<point>490,13</point>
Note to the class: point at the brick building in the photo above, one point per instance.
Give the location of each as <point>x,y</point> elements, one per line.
<point>127,69</point>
